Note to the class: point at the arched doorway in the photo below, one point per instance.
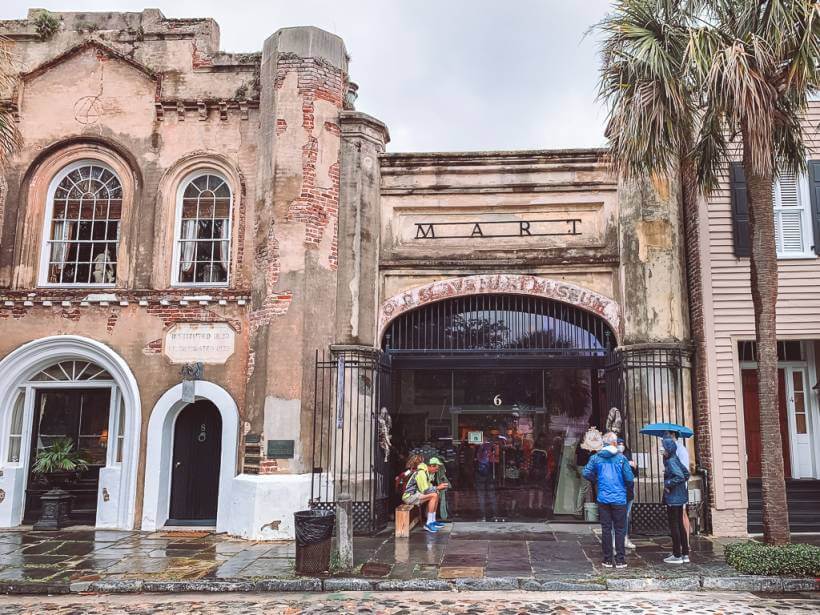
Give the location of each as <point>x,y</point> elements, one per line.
<point>502,388</point>
<point>74,388</point>
<point>175,436</point>
<point>195,465</point>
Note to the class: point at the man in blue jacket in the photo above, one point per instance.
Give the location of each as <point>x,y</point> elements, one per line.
<point>610,470</point>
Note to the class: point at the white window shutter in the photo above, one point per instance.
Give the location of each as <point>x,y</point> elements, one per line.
<point>788,214</point>
<point>791,224</point>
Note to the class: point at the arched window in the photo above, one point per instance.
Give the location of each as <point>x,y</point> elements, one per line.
<point>203,231</point>
<point>82,226</point>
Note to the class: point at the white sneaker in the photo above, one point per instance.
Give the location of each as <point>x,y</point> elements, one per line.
<point>673,560</point>
<point>629,544</point>
<point>685,559</point>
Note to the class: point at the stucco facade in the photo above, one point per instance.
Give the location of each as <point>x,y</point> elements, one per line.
<point>330,238</point>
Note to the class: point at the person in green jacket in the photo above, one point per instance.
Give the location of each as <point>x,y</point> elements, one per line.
<point>438,476</point>
<point>419,491</point>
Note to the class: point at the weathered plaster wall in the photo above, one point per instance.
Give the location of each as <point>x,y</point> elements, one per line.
<point>652,264</point>
<point>304,79</point>
<point>512,188</point>
<point>156,99</point>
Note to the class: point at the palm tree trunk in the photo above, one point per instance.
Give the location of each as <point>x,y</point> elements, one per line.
<point>764,297</point>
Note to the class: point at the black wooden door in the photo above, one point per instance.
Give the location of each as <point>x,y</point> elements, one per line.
<point>195,466</point>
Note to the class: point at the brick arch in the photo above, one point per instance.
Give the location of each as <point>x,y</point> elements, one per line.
<point>34,202</point>
<point>511,284</point>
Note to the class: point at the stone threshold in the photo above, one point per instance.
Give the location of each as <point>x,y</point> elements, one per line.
<point>695,583</point>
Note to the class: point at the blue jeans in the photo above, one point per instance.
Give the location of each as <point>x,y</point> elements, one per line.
<point>628,518</point>
<point>613,519</point>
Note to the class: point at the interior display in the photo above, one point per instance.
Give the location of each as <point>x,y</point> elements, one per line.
<point>507,437</point>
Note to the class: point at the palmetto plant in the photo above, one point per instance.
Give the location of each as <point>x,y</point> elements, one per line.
<point>692,83</point>
<point>60,456</point>
<point>9,136</point>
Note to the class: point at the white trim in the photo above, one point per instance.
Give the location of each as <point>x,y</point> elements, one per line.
<point>806,225</point>
<point>183,184</point>
<point>45,237</point>
<point>15,371</point>
<point>159,453</point>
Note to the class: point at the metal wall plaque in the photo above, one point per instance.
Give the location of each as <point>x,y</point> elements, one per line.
<point>280,449</point>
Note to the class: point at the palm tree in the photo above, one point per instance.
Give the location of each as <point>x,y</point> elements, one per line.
<point>683,79</point>
<point>9,139</point>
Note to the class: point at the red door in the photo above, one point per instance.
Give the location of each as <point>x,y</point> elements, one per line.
<point>751,415</point>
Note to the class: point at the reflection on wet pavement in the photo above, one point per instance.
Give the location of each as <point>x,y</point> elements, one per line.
<point>460,550</point>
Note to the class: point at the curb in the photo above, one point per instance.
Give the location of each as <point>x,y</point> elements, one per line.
<point>744,583</point>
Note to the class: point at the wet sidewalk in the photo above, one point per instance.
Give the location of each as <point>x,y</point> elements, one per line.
<point>462,556</point>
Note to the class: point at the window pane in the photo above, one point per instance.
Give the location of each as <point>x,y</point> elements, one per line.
<point>205,215</point>
<point>87,206</point>
<point>121,433</point>
<point>16,428</point>
<point>800,423</point>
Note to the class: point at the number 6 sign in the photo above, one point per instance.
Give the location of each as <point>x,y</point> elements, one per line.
<point>497,400</point>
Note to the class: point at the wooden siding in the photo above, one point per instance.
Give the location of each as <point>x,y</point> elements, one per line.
<point>729,316</point>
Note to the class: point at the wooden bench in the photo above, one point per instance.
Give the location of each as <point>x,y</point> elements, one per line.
<point>407,516</point>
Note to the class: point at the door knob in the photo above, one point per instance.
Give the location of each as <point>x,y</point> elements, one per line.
<point>177,464</point>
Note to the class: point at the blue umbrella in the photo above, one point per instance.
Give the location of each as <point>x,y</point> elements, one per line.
<point>660,430</point>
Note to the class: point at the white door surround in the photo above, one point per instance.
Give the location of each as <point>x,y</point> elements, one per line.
<point>159,453</point>
<point>118,481</point>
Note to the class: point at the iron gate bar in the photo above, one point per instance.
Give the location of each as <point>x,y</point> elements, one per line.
<point>349,387</point>
<point>505,323</point>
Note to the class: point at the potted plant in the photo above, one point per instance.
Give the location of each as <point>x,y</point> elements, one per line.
<point>58,465</point>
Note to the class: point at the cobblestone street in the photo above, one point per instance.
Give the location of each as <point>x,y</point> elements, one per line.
<point>497,603</point>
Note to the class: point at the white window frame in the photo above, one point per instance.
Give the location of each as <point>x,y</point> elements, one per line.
<point>175,261</point>
<point>45,241</point>
<point>805,218</point>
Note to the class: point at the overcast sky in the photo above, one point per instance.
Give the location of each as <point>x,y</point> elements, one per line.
<point>442,74</point>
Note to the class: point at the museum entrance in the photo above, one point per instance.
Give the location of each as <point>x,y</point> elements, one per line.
<point>502,389</point>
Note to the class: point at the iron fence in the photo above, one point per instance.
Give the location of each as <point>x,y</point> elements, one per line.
<point>351,387</point>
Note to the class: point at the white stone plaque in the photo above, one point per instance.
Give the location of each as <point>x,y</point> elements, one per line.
<point>205,342</point>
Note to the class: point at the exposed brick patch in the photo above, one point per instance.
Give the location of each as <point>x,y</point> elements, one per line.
<point>274,304</point>
<point>112,320</point>
<point>72,315</point>
<point>281,126</point>
<point>251,364</point>
<point>316,207</point>
<point>198,58</point>
<point>268,466</point>
<point>153,347</point>
<point>173,314</point>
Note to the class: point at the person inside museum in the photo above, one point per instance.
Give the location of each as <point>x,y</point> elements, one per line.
<point>587,447</point>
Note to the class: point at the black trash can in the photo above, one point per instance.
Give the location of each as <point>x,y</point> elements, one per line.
<point>314,535</point>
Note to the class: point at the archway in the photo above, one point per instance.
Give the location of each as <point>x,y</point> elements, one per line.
<point>18,388</point>
<point>501,385</point>
<point>160,451</point>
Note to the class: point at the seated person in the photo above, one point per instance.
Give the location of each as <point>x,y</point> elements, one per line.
<point>419,491</point>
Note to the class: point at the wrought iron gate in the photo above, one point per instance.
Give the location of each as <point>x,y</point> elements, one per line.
<point>650,383</point>
<point>352,385</point>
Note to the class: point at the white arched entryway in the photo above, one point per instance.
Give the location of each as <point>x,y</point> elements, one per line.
<point>159,454</point>
<point>118,479</point>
